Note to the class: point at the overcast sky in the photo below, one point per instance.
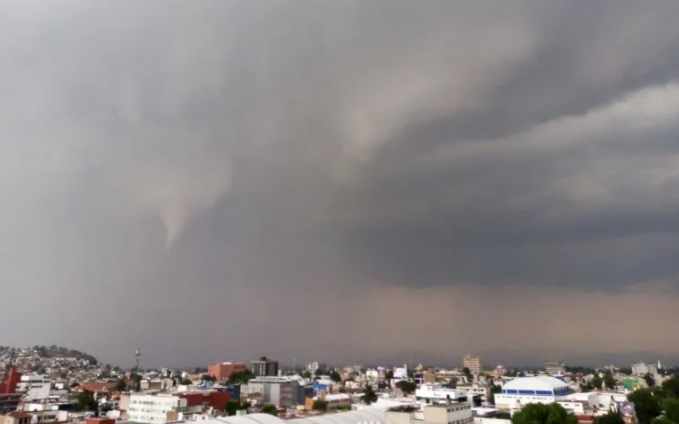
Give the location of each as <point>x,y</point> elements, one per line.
<point>339,181</point>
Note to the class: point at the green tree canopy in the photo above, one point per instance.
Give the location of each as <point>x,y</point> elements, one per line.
<point>537,413</point>
<point>671,386</point>
<point>241,377</point>
<point>609,380</point>
<point>406,387</point>
<point>320,405</point>
<point>597,382</point>
<point>86,401</point>
<point>334,376</point>
<point>670,407</point>
<point>467,372</point>
<point>650,380</point>
<point>232,407</point>
<point>269,409</point>
<point>610,418</point>
<point>369,395</point>
<point>121,385</point>
<point>646,405</point>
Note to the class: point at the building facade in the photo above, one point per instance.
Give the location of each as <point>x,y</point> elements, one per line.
<point>448,413</point>
<point>223,370</point>
<point>154,409</point>
<point>643,368</point>
<point>264,367</point>
<point>473,363</point>
<point>281,392</point>
<point>317,368</point>
<point>555,368</point>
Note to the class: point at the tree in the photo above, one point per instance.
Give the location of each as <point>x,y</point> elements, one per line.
<point>136,380</point>
<point>208,378</point>
<point>646,405</point>
<point>670,407</point>
<point>597,382</point>
<point>369,395</point>
<point>86,402</point>
<point>609,380</point>
<point>232,407</point>
<point>121,386</point>
<point>537,413</point>
<point>320,405</point>
<point>407,387</point>
<point>389,375</point>
<point>185,381</point>
<point>610,418</point>
<point>650,381</point>
<point>241,377</point>
<point>269,409</point>
<point>671,387</point>
<point>467,372</point>
<point>334,376</point>
<point>491,395</point>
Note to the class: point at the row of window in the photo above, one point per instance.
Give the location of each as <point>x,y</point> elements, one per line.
<point>557,392</point>
<point>462,421</point>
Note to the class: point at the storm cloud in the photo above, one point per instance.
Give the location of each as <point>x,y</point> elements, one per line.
<point>220,180</point>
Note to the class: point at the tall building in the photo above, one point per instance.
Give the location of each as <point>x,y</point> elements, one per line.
<point>281,392</point>
<point>264,367</point>
<point>225,369</point>
<point>642,368</point>
<point>555,368</point>
<point>473,363</point>
<point>317,367</point>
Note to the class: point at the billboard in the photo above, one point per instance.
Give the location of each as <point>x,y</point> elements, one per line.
<point>626,410</point>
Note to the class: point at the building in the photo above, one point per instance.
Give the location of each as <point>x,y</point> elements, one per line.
<point>525,390</point>
<point>317,368</point>
<point>34,387</point>
<point>224,370</point>
<point>447,413</point>
<point>9,397</point>
<point>264,367</point>
<point>473,363</point>
<point>281,392</point>
<point>436,393</point>
<point>155,409</point>
<point>373,415</point>
<point>201,401</point>
<point>555,368</point>
<point>16,418</point>
<point>643,368</point>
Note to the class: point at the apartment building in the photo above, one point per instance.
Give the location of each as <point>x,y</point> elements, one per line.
<point>473,363</point>
<point>264,367</point>
<point>281,392</point>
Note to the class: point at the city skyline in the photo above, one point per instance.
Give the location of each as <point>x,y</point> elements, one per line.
<point>340,181</point>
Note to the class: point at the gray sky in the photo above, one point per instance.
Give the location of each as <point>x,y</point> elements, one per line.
<point>339,180</point>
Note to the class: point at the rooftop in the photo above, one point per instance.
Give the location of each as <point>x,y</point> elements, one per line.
<point>540,382</point>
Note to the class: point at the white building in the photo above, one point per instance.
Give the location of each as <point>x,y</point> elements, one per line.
<point>153,409</point>
<point>317,368</point>
<point>436,393</point>
<point>555,368</point>
<point>525,390</point>
<point>642,368</point>
<point>34,387</point>
<point>444,413</point>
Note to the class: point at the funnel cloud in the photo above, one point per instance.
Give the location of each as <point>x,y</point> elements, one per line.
<point>341,181</point>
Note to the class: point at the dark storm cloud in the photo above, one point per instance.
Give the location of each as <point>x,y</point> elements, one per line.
<point>215,166</point>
